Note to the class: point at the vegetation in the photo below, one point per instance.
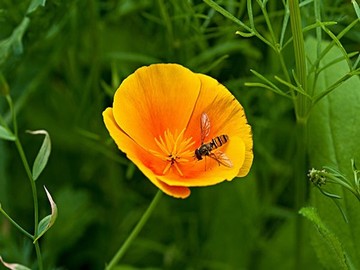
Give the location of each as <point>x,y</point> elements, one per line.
<point>293,66</point>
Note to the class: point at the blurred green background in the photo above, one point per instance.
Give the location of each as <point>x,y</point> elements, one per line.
<point>64,60</point>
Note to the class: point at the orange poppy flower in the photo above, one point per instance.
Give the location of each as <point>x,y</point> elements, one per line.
<point>163,113</point>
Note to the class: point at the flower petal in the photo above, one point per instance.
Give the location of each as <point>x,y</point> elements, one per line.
<point>139,156</point>
<point>155,120</point>
<point>226,116</point>
<point>175,191</point>
<point>208,171</point>
<point>154,99</point>
<point>249,156</point>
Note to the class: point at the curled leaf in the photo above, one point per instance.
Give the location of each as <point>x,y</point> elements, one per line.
<point>46,223</point>
<point>13,266</point>
<point>356,7</point>
<point>6,134</point>
<point>328,194</point>
<point>43,155</point>
<point>245,34</point>
<point>13,44</point>
<point>35,4</point>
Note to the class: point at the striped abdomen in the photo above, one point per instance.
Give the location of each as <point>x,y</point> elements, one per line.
<point>219,141</point>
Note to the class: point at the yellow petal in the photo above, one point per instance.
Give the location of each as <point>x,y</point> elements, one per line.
<point>175,191</point>
<point>157,104</point>
<point>249,156</point>
<point>154,99</point>
<point>139,156</point>
<point>208,171</point>
<point>226,116</point>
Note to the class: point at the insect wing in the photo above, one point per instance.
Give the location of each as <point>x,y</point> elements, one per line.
<point>205,126</point>
<point>222,158</point>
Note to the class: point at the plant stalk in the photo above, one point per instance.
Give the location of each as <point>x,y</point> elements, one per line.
<point>15,224</point>
<point>32,182</point>
<point>302,107</point>
<point>300,190</point>
<point>120,253</point>
<point>302,102</point>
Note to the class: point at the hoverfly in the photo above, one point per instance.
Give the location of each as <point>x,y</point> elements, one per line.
<point>210,149</point>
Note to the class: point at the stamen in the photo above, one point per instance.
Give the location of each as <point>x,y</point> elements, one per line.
<point>178,169</point>
<point>174,150</point>
<point>161,145</point>
<point>167,168</point>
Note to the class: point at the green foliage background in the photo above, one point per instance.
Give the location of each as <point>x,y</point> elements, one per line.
<point>64,60</point>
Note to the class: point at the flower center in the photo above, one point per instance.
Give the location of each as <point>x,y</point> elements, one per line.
<point>174,149</point>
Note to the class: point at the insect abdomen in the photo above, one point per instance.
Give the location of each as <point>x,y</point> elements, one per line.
<point>219,141</point>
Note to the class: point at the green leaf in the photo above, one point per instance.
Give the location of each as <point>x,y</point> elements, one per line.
<point>333,135</point>
<point>35,4</point>
<point>13,266</point>
<point>71,202</point>
<point>133,57</point>
<point>43,155</point>
<point>245,34</point>
<point>6,134</point>
<point>46,223</point>
<point>217,245</point>
<point>14,42</point>
<point>227,14</point>
<point>269,85</point>
<point>326,239</point>
<point>4,87</point>
<point>356,7</point>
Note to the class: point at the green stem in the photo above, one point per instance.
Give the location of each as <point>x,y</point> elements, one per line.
<point>30,177</point>
<point>285,71</point>
<point>300,190</point>
<point>38,255</point>
<point>13,115</point>
<point>269,25</point>
<point>318,47</point>
<point>32,182</point>
<point>276,46</point>
<point>302,102</point>
<point>15,224</point>
<point>2,122</point>
<point>120,253</point>
<point>302,107</point>
<point>342,182</point>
